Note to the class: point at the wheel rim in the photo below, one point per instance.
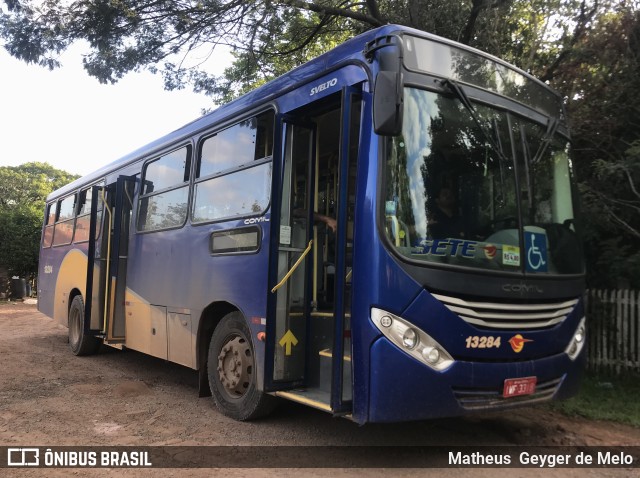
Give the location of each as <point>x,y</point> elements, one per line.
<point>235,366</point>
<point>74,326</point>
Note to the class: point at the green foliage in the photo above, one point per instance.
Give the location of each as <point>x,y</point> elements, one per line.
<point>280,54</point>
<point>605,398</point>
<point>270,37</point>
<point>602,86</point>
<point>23,190</point>
<point>19,240</point>
<point>587,49</point>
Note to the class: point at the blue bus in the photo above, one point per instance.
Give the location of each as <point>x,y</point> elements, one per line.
<point>388,233</point>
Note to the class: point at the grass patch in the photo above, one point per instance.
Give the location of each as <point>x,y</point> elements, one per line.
<point>605,398</point>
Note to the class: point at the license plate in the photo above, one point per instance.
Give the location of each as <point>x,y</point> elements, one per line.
<point>514,387</point>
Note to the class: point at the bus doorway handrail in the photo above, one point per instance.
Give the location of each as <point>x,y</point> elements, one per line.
<point>293,268</point>
<point>106,296</point>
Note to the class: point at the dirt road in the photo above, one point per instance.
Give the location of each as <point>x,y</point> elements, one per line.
<point>48,397</point>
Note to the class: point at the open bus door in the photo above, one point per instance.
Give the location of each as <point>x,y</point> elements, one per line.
<point>111,207</point>
<point>308,350</point>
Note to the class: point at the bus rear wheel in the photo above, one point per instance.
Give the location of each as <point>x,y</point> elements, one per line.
<point>80,343</point>
<point>232,372</point>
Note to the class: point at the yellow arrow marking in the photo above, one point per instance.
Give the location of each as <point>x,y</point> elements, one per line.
<point>287,341</point>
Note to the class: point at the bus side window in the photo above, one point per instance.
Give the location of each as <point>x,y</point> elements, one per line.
<point>164,194</point>
<point>84,215</point>
<point>235,170</point>
<point>49,220</point>
<point>63,229</point>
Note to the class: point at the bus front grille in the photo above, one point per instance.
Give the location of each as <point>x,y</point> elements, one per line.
<point>495,315</point>
<point>477,399</point>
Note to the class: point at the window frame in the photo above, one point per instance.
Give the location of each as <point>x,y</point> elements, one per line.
<point>49,225</point>
<point>87,190</point>
<point>59,202</point>
<point>186,183</point>
<point>232,232</point>
<point>254,162</point>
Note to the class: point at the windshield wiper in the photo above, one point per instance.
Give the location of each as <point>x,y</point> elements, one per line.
<point>529,161</point>
<point>552,127</point>
<point>495,143</point>
<point>524,144</point>
<point>459,93</point>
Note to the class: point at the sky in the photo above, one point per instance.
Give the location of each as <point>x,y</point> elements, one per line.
<point>68,119</point>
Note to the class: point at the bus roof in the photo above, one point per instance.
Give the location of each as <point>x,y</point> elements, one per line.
<point>351,49</point>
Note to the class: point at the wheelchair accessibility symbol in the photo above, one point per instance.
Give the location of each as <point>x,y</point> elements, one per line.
<point>536,246</point>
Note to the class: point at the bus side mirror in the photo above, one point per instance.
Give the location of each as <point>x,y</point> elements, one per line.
<point>388,99</point>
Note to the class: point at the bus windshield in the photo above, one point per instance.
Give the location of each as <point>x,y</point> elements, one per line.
<point>492,192</point>
<point>428,56</point>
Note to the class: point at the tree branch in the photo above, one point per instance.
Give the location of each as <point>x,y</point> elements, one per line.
<point>467,32</point>
<point>627,173</point>
<point>339,12</point>
<point>476,9</point>
<point>618,202</point>
<point>300,46</point>
<point>632,185</point>
<point>372,6</point>
<point>581,28</point>
<point>629,228</point>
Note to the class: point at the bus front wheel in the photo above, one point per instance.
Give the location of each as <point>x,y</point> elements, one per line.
<point>232,372</point>
<point>80,343</point>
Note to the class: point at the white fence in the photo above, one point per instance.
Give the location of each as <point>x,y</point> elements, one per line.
<point>613,318</point>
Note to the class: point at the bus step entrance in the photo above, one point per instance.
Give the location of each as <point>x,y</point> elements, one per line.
<point>319,395</point>
<point>325,373</point>
<point>311,397</point>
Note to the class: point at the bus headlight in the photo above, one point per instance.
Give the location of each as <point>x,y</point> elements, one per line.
<point>412,340</point>
<point>431,354</point>
<point>577,342</point>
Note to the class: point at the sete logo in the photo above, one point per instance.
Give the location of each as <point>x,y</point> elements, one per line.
<point>490,251</point>
<point>517,343</point>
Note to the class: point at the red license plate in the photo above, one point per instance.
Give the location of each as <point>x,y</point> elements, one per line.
<point>514,387</point>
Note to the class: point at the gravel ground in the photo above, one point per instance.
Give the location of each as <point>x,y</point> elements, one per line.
<point>48,397</point>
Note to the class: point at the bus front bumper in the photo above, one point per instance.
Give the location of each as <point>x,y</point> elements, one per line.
<point>403,389</point>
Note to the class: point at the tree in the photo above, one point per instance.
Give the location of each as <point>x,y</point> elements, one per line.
<point>19,240</point>
<point>586,49</point>
<point>23,190</point>
<point>600,80</point>
<point>269,37</point>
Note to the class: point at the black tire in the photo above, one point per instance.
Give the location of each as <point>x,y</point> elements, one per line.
<point>80,343</point>
<point>232,372</point>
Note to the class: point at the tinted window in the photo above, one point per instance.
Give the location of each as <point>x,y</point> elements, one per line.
<point>49,219</point>
<point>450,62</point>
<point>51,214</point>
<point>85,202</point>
<point>169,170</point>
<point>238,240</point>
<point>451,193</point>
<point>63,230</point>
<point>244,192</point>
<point>237,146</point>
<point>84,216</point>
<point>234,184</point>
<point>165,192</point>
<point>160,211</point>
<point>67,207</point>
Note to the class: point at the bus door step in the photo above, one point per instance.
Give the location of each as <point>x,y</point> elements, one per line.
<point>326,356</point>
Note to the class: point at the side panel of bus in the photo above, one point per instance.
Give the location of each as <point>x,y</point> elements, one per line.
<point>63,254</point>
<point>185,237</point>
